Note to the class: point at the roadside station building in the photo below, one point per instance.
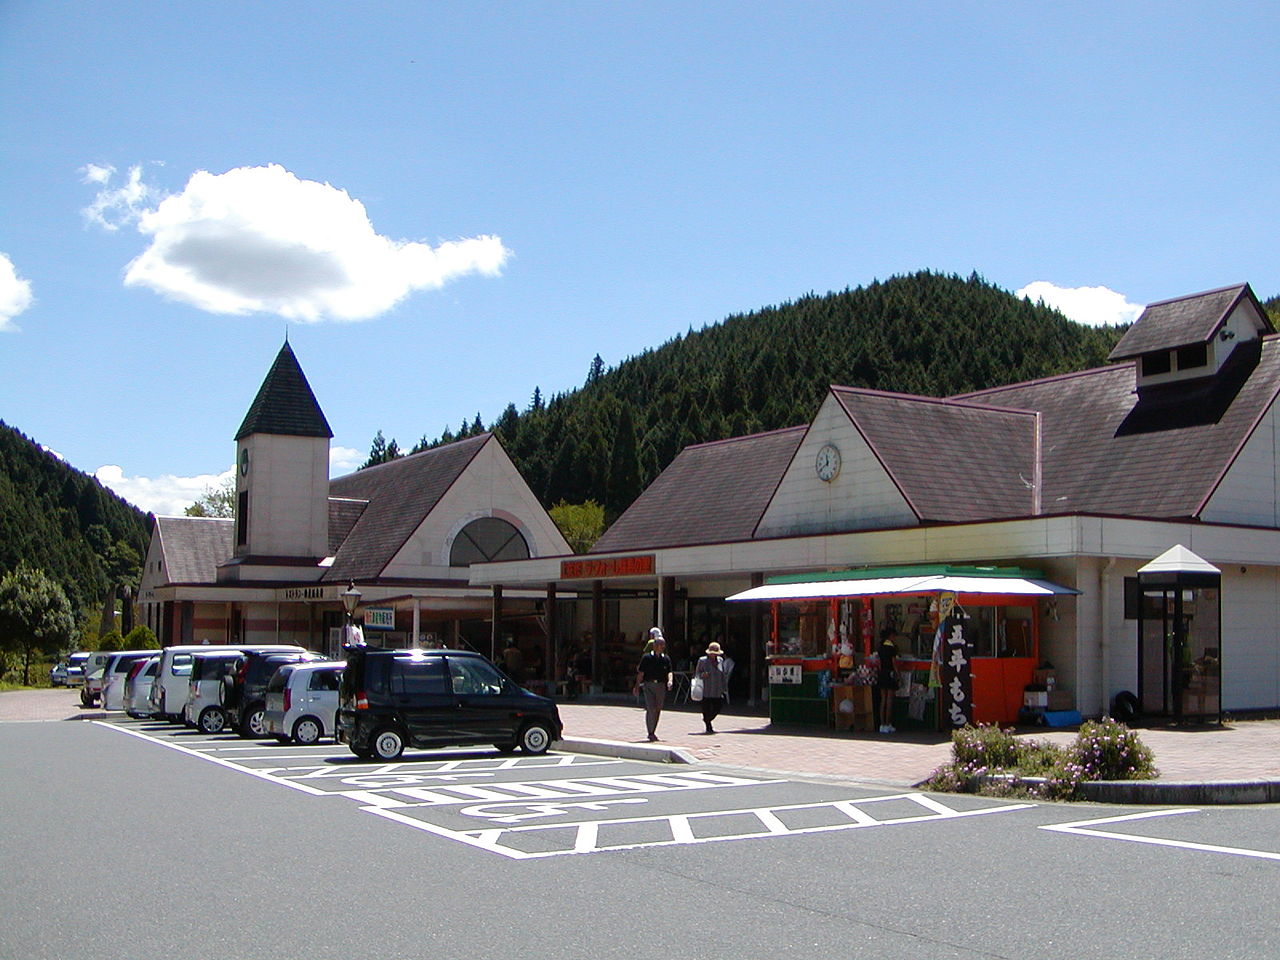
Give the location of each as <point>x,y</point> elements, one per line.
<point>1074,482</point>
<point>401,533</point>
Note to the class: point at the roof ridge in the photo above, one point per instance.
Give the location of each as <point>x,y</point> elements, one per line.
<point>1070,375</point>
<point>956,401</point>
<point>746,436</point>
<point>1202,293</point>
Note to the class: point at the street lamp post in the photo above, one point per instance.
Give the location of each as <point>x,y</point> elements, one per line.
<point>350,600</point>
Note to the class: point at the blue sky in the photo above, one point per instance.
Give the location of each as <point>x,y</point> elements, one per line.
<point>448,204</point>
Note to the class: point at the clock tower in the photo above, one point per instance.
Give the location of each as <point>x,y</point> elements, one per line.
<point>282,479</point>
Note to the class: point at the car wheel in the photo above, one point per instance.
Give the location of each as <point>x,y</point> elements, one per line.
<point>254,726</point>
<point>308,730</point>
<point>508,747</point>
<point>387,743</point>
<point>535,738</point>
<point>212,720</point>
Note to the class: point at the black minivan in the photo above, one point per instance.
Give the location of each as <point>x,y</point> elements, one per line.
<point>392,699</point>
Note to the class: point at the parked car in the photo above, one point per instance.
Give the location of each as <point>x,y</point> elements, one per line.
<point>244,692</point>
<point>209,667</point>
<point>94,664</point>
<point>116,674</point>
<point>75,668</point>
<point>138,686</point>
<point>169,693</point>
<point>392,699</point>
<point>69,672</point>
<point>302,700</point>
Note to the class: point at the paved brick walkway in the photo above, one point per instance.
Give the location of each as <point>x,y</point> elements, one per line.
<point>1244,750</point>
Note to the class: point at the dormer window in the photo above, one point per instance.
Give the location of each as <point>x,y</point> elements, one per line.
<point>1192,356</point>
<point>1154,364</point>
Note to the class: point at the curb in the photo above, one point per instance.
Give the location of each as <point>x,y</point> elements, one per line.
<point>1208,793</point>
<point>626,751</point>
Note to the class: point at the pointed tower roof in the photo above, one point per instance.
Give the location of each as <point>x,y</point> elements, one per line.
<point>285,404</point>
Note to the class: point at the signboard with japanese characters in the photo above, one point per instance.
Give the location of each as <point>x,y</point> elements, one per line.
<point>786,673</point>
<point>957,672</point>
<point>379,618</point>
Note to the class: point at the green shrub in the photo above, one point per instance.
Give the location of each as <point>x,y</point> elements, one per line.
<point>1104,750</point>
<point>141,637</point>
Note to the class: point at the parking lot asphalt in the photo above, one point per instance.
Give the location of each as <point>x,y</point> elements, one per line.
<point>1238,761</point>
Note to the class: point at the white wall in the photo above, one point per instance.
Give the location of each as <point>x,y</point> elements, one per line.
<point>861,497</point>
<point>1250,491</point>
<point>1250,650</point>
<point>288,483</point>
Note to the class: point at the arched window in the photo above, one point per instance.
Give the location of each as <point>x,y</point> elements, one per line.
<point>489,538</point>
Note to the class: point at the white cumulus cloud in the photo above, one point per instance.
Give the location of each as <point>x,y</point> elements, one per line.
<point>1093,306</point>
<point>117,206</point>
<point>262,240</point>
<point>167,495</point>
<point>170,495</point>
<point>15,294</point>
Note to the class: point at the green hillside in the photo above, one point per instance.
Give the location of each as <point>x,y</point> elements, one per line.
<point>925,333</point>
<point>65,523</point>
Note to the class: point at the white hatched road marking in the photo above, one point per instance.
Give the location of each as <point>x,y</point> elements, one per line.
<point>586,834</point>
<point>1084,828</point>
<point>510,803</point>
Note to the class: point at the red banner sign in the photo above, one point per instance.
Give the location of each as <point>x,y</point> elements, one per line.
<point>640,566</point>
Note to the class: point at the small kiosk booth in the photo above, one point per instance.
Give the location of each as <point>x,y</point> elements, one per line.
<point>968,642</point>
<point>1180,636</point>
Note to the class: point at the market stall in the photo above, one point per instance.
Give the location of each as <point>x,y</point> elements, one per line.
<point>967,643</point>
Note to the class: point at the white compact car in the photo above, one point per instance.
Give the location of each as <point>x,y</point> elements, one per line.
<point>302,699</point>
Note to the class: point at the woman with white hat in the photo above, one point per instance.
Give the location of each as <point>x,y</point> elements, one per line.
<point>710,671</point>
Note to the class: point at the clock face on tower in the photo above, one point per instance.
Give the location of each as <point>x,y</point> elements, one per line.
<point>244,463</point>
<point>827,462</point>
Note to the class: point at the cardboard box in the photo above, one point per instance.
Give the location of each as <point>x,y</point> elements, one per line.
<point>1034,698</point>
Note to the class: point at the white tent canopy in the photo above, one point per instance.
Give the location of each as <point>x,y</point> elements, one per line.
<point>955,583</point>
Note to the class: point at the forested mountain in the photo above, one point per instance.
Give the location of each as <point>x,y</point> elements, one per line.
<point>65,523</point>
<point>926,333</point>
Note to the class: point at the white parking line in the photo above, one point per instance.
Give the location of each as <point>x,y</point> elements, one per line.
<point>1083,828</point>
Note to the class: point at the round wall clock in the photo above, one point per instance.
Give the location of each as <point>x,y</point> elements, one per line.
<point>827,462</point>
<point>244,462</point>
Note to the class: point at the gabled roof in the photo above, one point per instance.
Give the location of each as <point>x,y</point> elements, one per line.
<point>285,404</point>
<point>194,546</point>
<point>1105,449</point>
<point>951,460</point>
<point>343,515</point>
<point>1182,321</point>
<point>399,494</point>
<point>711,493</point>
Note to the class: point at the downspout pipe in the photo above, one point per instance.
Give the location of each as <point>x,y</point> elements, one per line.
<point>1104,642</point>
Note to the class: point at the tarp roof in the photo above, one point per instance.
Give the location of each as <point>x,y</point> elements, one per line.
<point>906,581</point>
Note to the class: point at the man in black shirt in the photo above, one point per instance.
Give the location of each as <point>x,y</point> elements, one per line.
<point>653,677</point>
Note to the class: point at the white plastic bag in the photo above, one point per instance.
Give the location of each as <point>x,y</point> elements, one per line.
<point>695,688</point>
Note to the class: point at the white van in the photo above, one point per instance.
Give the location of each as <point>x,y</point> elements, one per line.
<point>169,692</point>
<point>95,665</point>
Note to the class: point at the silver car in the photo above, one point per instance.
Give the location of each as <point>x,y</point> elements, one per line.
<point>137,687</point>
<point>116,674</point>
<point>302,699</point>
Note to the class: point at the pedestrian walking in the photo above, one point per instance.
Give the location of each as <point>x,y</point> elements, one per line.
<point>710,670</point>
<point>653,679</point>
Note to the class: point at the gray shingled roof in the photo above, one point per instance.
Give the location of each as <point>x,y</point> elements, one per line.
<point>711,493</point>
<point>400,494</point>
<point>1107,450</point>
<point>953,461</point>
<point>1169,324</point>
<point>194,546</point>
<point>343,515</point>
<point>285,404</point>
